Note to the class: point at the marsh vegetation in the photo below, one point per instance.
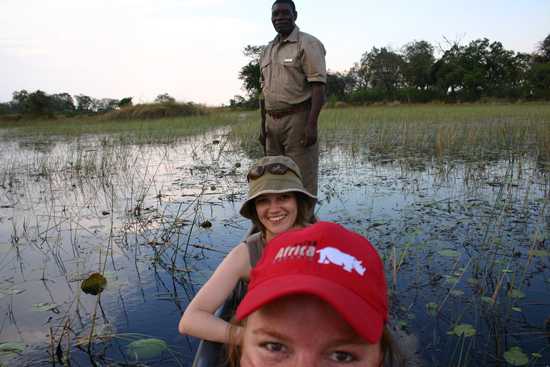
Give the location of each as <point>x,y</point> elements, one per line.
<point>456,199</point>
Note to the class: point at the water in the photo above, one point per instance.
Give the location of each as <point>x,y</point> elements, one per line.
<point>465,244</point>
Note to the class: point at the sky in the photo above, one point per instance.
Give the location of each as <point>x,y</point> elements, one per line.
<point>192,49</point>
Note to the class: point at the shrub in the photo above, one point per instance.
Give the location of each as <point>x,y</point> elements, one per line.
<point>156,111</point>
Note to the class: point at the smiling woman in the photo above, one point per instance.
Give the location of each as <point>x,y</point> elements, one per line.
<point>277,202</point>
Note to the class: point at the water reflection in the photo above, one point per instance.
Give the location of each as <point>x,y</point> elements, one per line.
<point>465,244</point>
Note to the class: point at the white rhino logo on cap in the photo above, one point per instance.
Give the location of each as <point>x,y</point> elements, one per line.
<point>331,255</point>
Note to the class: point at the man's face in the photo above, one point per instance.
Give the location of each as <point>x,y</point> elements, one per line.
<point>283,18</point>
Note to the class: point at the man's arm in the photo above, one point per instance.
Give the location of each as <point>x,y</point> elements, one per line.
<point>317,102</point>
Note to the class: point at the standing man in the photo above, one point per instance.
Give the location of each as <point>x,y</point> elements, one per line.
<point>293,92</point>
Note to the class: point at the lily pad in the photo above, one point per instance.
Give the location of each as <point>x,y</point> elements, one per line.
<point>465,330</point>
<point>146,348</point>
<point>452,279</point>
<point>431,308</point>
<point>516,294</point>
<point>42,307</point>
<point>449,253</point>
<point>402,323</point>
<point>94,285</point>
<point>516,357</point>
<point>10,348</point>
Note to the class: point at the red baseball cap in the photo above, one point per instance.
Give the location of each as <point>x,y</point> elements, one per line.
<point>328,261</point>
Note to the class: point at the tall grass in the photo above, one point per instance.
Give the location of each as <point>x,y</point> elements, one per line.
<point>469,132</point>
<point>133,131</point>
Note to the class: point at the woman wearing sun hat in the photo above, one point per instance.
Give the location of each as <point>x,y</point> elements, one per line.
<point>318,297</point>
<point>277,201</point>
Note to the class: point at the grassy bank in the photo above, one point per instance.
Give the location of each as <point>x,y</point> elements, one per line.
<point>131,131</point>
<point>464,131</point>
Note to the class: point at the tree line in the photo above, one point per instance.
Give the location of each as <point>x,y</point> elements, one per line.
<point>41,104</point>
<point>473,72</point>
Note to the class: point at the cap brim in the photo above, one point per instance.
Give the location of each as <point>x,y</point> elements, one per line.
<point>362,317</point>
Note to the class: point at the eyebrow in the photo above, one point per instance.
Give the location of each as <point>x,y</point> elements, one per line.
<point>270,332</point>
<point>346,340</point>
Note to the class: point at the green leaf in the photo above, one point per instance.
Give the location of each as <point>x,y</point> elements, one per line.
<point>94,285</point>
<point>516,294</point>
<point>517,309</point>
<point>536,355</point>
<point>465,330</point>
<point>11,348</point>
<point>449,253</point>
<point>516,357</point>
<point>41,307</point>
<point>456,293</point>
<point>146,348</point>
<point>452,279</point>
<point>431,308</point>
<point>402,323</point>
<point>473,281</point>
<point>488,300</point>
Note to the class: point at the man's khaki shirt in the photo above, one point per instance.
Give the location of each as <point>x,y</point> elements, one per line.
<point>288,67</point>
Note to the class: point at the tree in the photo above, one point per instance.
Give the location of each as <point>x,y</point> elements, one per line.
<point>506,72</point>
<point>383,69</point>
<point>543,52</point>
<point>419,60</point>
<point>5,108</point>
<point>165,98</point>
<point>125,102</point>
<point>339,85</point>
<point>250,76</point>
<point>39,104</point>
<point>539,81</point>
<point>106,105</point>
<point>62,103</point>
<point>448,72</point>
<point>20,101</point>
<point>85,104</point>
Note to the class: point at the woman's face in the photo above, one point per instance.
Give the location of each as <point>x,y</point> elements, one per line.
<point>304,331</point>
<point>276,212</point>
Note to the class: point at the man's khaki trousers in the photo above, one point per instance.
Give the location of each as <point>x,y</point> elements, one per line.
<point>285,137</point>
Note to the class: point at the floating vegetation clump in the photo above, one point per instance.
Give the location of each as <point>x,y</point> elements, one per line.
<point>94,284</point>
<point>144,349</point>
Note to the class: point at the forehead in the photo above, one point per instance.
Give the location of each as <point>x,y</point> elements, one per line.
<point>270,195</point>
<point>281,7</point>
<point>301,310</point>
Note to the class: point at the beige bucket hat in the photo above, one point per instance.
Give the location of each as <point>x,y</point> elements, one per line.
<point>266,177</point>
